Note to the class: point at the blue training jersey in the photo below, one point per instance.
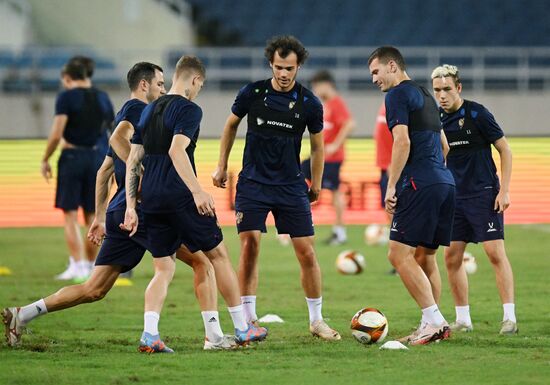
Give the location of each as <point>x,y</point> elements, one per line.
<point>130,112</point>
<point>162,189</point>
<point>471,130</point>
<point>89,112</point>
<point>413,106</point>
<point>276,123</point>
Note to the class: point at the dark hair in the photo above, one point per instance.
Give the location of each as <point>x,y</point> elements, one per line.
<point>141,71</point>
<point>87,62</point>
<point>284,45</point>
<point>322,76</point>
<point>74,70</point>
<point>385,54</point>
<point>190,63</point>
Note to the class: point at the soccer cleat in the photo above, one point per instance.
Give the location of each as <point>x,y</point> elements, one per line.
<point>428,333</point>
<point>253,333</point>
<point>13,327</point>
<point>334,240</point>
<point>152,344</point>
<point>461,327</point>
<point>227,342</point>
<point>509,328</point>
<point>69,274</point>
<point>320,329</point>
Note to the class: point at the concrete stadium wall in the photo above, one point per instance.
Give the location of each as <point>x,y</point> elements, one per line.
<point>518,114</point>
<point>130,30</point>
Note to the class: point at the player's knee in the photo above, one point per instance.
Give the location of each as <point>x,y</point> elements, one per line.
<point>453,260</point>
<point>96,293</point>
<point>496,257</point>
<point>307,258</point>
<point>250,247</point>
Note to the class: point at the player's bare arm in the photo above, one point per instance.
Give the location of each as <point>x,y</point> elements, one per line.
<point>444,144</point>
<point>120,139</point>
<point>317,165</point>
<point>133,176</point>
<point>219,177</point>
<point>182,164</point>
<point>400,153</point>
<point>345,131</point>
<point>56,133</point>
<point>102,185</point>
<point>502,201</point>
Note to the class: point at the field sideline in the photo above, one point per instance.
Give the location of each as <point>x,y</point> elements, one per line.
<point>97,343</point>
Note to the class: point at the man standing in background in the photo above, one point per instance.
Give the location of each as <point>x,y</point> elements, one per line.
<point>82,114</point>
<point>337,126</point>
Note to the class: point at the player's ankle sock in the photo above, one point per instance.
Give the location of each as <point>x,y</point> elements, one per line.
<point>212,327</point>
<point>31,311</point>
<point>315,307</point>
<point>463,314</point>
<point>151,322</point>
<point>509,312</point>
<point>340,232</point>
<point>237,315</point>
<point>249,307</point>
<point>423,320</point>
<point>433,315</point>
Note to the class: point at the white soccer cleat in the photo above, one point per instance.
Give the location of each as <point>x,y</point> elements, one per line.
<point>461,327</point>
<point>226,343</point>
<point>70,273</point>
<point>509,328</point>
<point>427,334</point>
<point>13,327</point>
<point>322,330</point>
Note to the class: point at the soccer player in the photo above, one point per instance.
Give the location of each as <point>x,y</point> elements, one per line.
<point>481,200</point>
<point>177,211</point>
<point>421,191</point>
<point>279,109</point>
<point>337,125</point>
<point>82,114</point>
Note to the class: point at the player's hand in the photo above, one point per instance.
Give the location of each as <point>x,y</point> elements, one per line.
<point>204,203</point>
<point>313,194</point>
<point>97,232</point>
<point>331,149</point>
<point>131,221</point>
<point>391,200</point>
<point>46,170</point>
<point>219,178</point>
<point>502,201</point>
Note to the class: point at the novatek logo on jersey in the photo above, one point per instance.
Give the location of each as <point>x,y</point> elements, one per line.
<point>279,124</point>
<point>491,227</point>
<point>459,143</point>
<point>260,121</point>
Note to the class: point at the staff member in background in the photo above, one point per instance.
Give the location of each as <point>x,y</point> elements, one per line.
<point>82,114</point>
<point>337,126</point>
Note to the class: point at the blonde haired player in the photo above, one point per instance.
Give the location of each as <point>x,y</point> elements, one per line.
<point>480,197</point>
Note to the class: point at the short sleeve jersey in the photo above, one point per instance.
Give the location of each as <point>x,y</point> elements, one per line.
<point>410,105</point>
<point>130,112</point>
<point>269,157</point>
<point>470,158</point>
<point>162,189</point>
<point>384,140</point>
<point>89,113</point>
<point>336,114</point>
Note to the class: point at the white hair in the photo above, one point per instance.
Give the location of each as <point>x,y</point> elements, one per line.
<point>446,70</point>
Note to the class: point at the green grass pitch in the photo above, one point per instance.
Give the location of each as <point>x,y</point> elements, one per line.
<point>97,343</point>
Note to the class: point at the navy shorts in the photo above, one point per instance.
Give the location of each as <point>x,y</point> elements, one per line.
<point>166,232</point>
<point>424,217</point>
<point>288,203</point>
<point>118,248</point>
<point>476,220</point>
<point>331,174</point>
<point>383,186</point>
<point>77,169</point>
